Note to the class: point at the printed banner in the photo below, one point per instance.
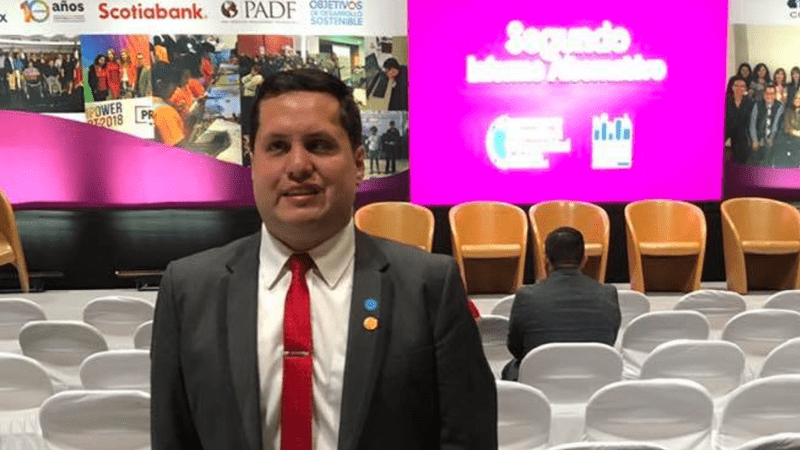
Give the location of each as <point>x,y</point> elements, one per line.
<point>152,70</point>
<point>762,106</point>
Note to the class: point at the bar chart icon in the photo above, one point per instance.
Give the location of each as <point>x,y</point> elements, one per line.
<point>612,142</point>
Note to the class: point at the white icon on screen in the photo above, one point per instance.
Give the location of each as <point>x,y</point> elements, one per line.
<point>521,143</point>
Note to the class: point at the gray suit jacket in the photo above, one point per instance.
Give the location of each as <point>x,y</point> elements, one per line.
<point>566,307</point>
<point>420,381</point>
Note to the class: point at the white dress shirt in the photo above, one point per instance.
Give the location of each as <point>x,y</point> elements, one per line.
<point>330,286</point>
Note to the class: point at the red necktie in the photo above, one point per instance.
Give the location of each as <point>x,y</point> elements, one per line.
<point>297,397</point>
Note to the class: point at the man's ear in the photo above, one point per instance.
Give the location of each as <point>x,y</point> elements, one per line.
<point>583,261</point>
<point>358,155</point>
<point>249,154</point>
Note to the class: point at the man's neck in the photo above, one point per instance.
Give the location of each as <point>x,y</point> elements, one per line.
<point>300,241</point>
<point>567,266</point>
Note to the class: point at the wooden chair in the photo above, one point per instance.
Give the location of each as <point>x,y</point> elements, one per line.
<point>10,243</point>
<point>591,220</point>
<point>761,238</point>
<point>398,221</point>
<point>489,244</point>
<point>666,245</point>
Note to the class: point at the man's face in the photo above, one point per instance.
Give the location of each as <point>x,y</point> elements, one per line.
<point>392,73</point>
<point>769,95</point>
<point>305,172</point>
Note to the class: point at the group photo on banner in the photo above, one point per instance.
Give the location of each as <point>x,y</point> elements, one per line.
<point>762,107</point>
<point>41,74</point>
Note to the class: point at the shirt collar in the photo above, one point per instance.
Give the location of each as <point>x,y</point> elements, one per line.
<point>331,258</point>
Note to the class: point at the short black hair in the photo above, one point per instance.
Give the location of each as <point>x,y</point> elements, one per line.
<point>391,63</point>
<point>564,246</point>
<point>310,80</point>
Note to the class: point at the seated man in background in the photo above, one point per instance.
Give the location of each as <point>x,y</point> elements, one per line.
<point>566,307</point>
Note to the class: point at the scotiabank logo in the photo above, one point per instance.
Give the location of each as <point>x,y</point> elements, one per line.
<point>156,12</point>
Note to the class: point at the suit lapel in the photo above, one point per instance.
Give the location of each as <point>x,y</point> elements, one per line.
<point>364,347</point>
<point>241,324</point>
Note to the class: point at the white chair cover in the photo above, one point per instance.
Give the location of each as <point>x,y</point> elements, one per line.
<point>117,318</point>
<point>718,307</point>
<point>609,446</point>
<point>760,408</point>
<point>24,385</point>
<point>494,333</point>
<point>632,304</point>
<point>789,299</point>
<point>61,346</point>
<point>716,365</point>
<point>676,414</point>
<point>758,332</point>
<point>652,329</point>
<point>780,441</point>
<point>97,420</point>
<point>568,374</point>
<point>14,313</point>
<point>783,360</point>
<point>523,417</point>
<point>117,369</point>
<point>503,307</point>
<point>143,336</point>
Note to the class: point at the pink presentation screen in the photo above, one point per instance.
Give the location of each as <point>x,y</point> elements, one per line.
<point>524,101</point>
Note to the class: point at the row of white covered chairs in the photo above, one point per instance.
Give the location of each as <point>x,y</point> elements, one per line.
<point>11,326</point>
<point>570,373</point>
<point>80,419</point>
<point>778,441</point>
<point>756,332</point>
<point>110,403</point>
<point>112,369</point>
<point>117,318</point>
<point>672,414</point>
<point>62,346</point>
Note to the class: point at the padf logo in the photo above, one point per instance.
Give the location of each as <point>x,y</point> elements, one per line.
<point>794,12</point>
<point>229,9</point>
<point>35,10</point>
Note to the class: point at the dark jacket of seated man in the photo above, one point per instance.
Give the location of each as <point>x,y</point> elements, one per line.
<point>566,307</point>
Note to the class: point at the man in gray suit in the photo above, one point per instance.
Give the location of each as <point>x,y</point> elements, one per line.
<point>566,307</point>
<point>396,362</point>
